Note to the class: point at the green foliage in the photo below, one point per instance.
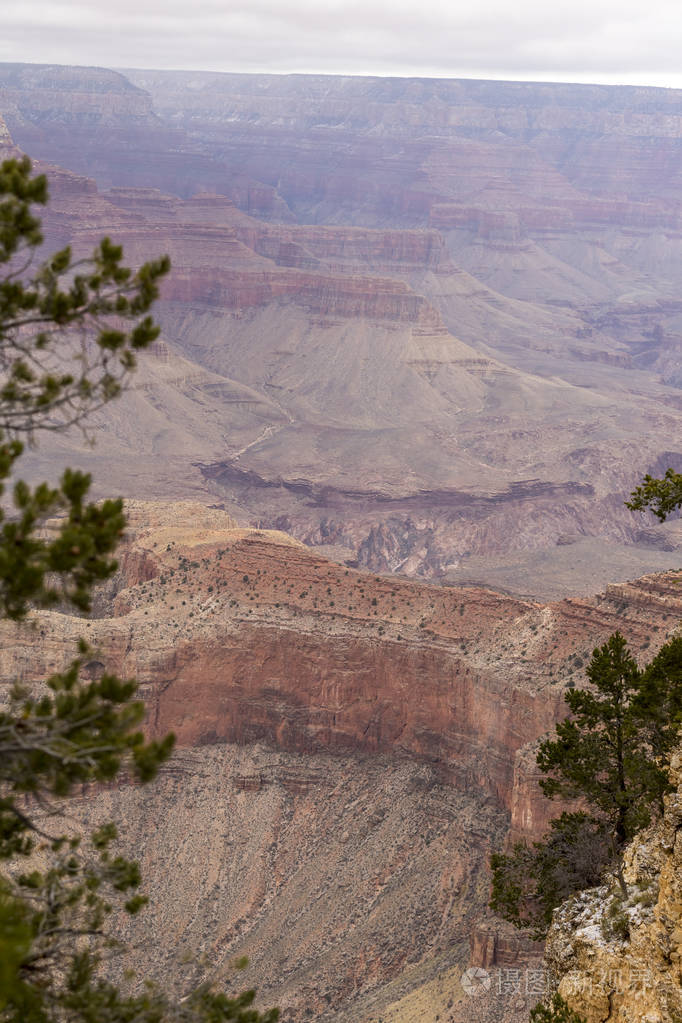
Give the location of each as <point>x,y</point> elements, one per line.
<point>45,570</point>
<point>68,336</point>
<point>530,881</point>
<point>615,922</point>
<point>64,351</point>
<point>63,354</point>
<point>557,1012</point>
<point>73,732</point>
<point>611,754</point>
<point>611,749</point>
<point>659,701</point>
<point>661,496</point>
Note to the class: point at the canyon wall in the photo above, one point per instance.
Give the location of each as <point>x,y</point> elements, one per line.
<point>431,327</point>
<point>347,413</point>
<point>351,747</point>
<point>433,330</point>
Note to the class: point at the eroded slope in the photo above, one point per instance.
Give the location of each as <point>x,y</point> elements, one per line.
<point>350,749</point>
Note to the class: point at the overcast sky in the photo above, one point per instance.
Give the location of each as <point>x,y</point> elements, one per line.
<point>615,41</point>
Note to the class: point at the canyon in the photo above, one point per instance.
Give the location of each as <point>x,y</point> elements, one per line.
<point>419,342</point>
<point>431,327</point>
<point>350,749</point>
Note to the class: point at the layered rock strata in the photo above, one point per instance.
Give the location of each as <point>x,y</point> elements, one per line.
<point>458,387</point>
<point>346,411</point>
<point>350,749</point>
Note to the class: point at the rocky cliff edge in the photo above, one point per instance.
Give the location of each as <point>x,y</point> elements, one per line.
<point>618,960</point>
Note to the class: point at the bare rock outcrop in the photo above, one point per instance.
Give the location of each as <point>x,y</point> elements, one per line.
<point>619,959</point>
<point>5,137</point>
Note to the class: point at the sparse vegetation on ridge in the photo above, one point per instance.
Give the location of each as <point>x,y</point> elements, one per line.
<point>558,1011</point>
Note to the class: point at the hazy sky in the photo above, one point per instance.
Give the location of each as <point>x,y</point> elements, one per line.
<point>619,41</point>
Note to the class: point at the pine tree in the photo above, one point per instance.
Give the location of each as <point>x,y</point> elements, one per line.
<point>611,755</point>
<point>602,753</point>
<point>69,334</point>
<point>662,495</point>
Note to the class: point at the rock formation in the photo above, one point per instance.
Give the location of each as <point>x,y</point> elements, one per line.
<point>431,330</point>
<point>432,448</point>
<point>615,958</point>
<point>351,746</point>
<point>5,137</point>
<point>460,375</point>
